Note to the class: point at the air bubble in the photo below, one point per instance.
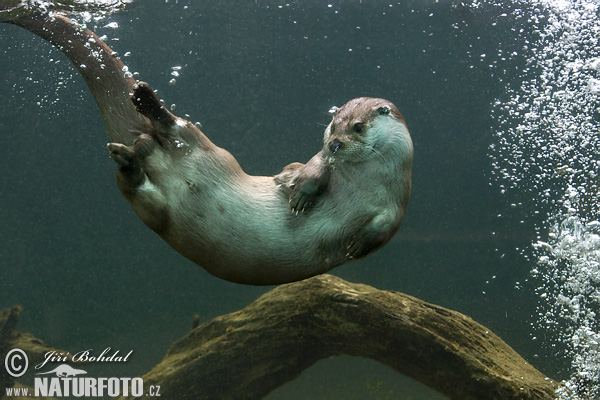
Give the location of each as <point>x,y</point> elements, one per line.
<point>594,86</point>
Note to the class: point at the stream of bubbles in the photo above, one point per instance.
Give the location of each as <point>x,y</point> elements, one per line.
<point>548,149</point>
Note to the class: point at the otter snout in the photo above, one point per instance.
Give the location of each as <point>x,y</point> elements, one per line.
<point>335,145</point>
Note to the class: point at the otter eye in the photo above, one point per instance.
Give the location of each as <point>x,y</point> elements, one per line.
<point>358,127</point>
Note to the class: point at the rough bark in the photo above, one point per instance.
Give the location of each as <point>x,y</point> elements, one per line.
<point>10,338</point>
<point>247,354</point>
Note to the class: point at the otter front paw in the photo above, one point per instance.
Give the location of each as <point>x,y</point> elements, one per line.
<point>303,193</point>
<point>305,182</point>
<point>298,186</point>
<point>365,242</point>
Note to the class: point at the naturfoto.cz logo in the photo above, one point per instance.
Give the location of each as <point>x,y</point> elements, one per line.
<point>67,381</point>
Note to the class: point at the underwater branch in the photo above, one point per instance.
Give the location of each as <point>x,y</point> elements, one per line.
<point>249,353</point>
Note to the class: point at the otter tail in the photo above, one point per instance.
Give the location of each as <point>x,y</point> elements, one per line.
<point>102,70</point>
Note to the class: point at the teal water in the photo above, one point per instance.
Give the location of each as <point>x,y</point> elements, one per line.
<point>260,78</point>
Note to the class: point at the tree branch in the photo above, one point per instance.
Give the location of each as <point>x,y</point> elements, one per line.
<point>250,352</point>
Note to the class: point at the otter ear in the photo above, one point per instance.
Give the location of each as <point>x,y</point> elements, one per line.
<point>384,110</point>
<point>333,111</point>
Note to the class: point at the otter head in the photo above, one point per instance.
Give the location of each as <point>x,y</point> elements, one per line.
<point>366,128</point>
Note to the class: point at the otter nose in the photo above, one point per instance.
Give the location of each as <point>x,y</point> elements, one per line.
<point>335,145</point>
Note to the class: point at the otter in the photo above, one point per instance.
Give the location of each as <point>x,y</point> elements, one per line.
<point>343,204</point>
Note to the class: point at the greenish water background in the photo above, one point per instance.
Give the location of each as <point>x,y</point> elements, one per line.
<point>261,78</point>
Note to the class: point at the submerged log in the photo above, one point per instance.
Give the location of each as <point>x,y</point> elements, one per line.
<point>249,353</point>
<point>11,338</point>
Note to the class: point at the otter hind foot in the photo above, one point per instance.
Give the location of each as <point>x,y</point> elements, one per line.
<point>130,170</point>
<point>123,155</point>
<point>148,103</point>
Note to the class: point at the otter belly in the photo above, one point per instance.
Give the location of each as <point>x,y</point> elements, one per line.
<point>253,237</point>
